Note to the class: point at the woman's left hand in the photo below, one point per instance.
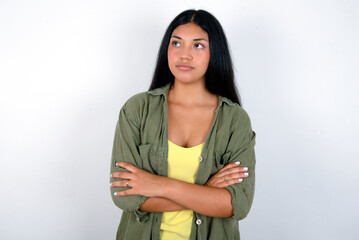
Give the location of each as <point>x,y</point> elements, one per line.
<point>229,175</point>
<point>141,182</point>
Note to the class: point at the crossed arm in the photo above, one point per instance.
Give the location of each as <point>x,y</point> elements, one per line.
<point>152,193</point>
<point>167,194</point>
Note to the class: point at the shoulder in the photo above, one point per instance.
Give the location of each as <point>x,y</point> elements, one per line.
<point>234,113</point>
<point>136,101</point>
<point>238,123</point>
<point>139,105</point>
<point>149,97</point>
<point>144,99</point>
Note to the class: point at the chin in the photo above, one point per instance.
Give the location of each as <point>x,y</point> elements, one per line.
<point>186,80</point>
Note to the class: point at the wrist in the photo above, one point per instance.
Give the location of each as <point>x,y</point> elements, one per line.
<point>166,187</point>
<point>162,186</point>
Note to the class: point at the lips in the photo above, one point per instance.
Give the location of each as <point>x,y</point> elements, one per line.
<point>184,67</point>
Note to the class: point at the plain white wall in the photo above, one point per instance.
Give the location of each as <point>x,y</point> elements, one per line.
<point>66,68</point>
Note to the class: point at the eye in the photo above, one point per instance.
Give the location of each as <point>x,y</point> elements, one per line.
<point>176,44</point>
<point>198,45</point>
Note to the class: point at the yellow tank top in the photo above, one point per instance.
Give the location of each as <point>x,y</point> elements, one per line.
<point>182,165</point>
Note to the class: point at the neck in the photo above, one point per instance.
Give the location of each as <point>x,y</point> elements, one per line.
<point>190,93</point>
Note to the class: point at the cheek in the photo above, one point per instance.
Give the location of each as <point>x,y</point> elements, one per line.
<point>205,60</point>
<point>171,54</point>
<point>171,59</point>
<point>208,56</point>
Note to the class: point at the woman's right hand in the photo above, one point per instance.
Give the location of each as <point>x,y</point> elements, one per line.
<point>230,174</point>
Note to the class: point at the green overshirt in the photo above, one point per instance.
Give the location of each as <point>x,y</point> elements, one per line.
<point>141,139</point>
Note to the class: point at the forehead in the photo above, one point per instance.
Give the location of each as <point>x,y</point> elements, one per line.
<point>190,30</point>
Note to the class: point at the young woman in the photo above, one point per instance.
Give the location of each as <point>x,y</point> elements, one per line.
<point>183,155</point>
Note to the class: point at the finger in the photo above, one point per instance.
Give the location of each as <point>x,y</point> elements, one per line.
<point>125,193</point>
<point>233,181</point>
<point>121,183</point>
<point>126,166</point>
<point>229,171</point>
<point>231,165</point>
<point>124,175</point>
<point>228,182</point>
<point>244,169</point>
<point>235,176</point>
<point>233,170</point>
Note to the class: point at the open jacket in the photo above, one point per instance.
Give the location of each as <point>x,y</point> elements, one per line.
<point>141,139</point>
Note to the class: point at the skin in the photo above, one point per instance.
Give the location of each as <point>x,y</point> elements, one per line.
<point>211,200</point>
<point>188,101</point>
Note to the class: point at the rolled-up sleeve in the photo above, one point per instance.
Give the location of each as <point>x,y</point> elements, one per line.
<point>126,140</point>
<point>241,145</point>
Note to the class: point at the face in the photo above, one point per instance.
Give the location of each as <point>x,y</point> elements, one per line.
<point>188,53</point>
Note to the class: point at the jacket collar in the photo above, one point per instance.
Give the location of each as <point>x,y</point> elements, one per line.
<point>161,90</point>
<point>164,90</point>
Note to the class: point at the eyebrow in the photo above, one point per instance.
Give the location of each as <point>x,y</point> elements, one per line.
<point>196,39</point>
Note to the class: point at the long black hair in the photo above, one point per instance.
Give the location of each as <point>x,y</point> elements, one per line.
<point>219,76</point>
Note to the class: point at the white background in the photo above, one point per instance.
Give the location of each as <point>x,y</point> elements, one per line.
<point>67,67</point>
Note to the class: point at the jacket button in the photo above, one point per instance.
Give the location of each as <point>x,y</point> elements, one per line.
<point>200,158</point>
<point>198,221</point>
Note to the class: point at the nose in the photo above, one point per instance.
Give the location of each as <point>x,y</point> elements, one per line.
<point>186,54</point>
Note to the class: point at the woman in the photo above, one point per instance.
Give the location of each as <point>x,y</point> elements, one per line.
<point>183,156</point>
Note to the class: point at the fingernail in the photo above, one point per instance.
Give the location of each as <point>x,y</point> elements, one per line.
<point>238,162</point>
<point>110,184</point>
<point>245,169</point>
<point>246,174</point>
<point>115,194</point>
<point>240,180</point>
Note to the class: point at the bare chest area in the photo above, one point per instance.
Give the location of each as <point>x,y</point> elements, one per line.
<point>189,126</point>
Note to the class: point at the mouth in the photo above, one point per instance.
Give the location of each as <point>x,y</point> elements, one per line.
<point>184,67</point>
